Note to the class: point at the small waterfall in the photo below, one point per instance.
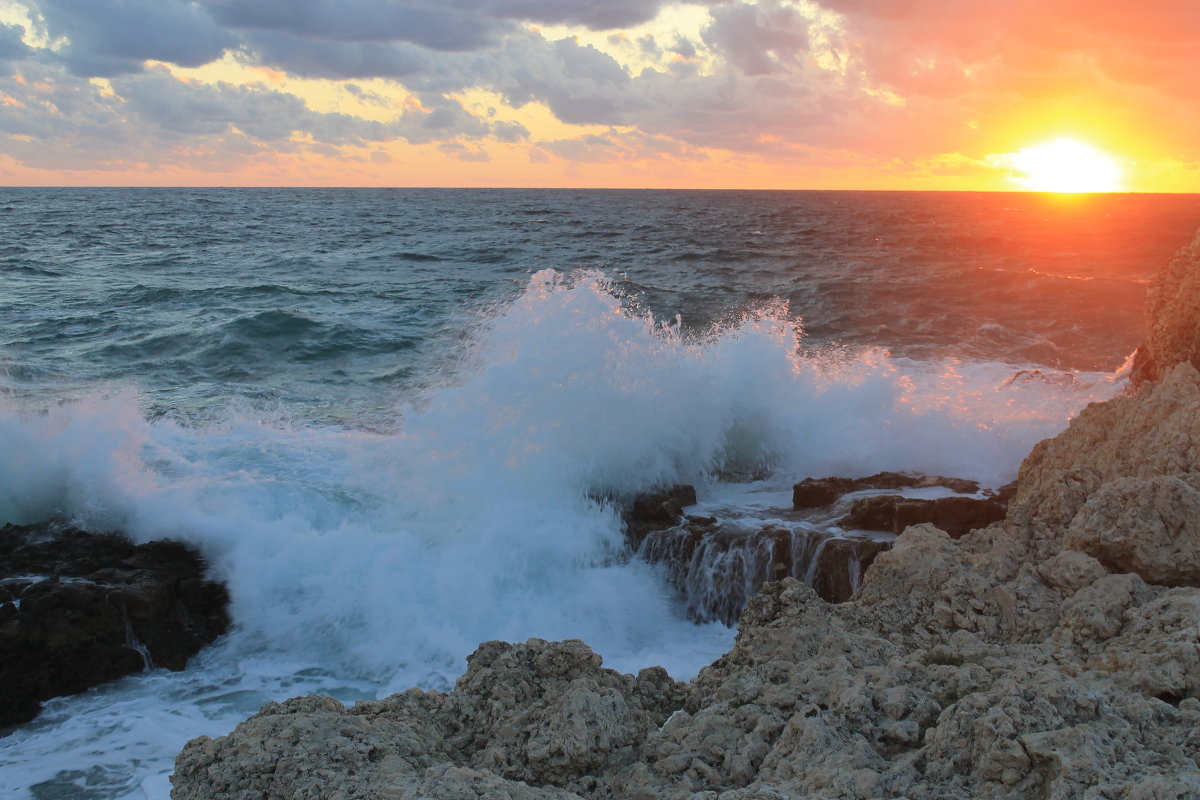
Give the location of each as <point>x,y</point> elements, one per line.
<point>134,643</point>
<point>718,568</point>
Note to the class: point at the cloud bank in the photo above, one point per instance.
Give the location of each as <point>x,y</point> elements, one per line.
<point>900,84</point>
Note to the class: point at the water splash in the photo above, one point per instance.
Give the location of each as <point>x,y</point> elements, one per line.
<point>378,559</point>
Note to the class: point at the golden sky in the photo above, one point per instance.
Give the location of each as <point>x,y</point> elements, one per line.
<point>804,94</point>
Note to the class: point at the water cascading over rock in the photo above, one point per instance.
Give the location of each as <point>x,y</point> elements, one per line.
<point>718,565</point>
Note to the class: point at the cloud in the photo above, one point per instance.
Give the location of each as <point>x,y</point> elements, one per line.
<point>759,39</point>
<point>436,25</point>
<point>607,15</point>
<point>462,152</point>
<point>777,79</point>
<point>112,37</point>
<point>187,108</point>
<point>11,45</point>
<point>614,146</point>
<point>308,58</point>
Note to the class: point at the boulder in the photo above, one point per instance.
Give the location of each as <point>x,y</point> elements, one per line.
<point>1153,433</point>
<point>1150,526</point>
<point>78,609</point>
<point>531,721</point>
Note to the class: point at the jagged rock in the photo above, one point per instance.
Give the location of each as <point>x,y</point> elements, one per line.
<point>1173,317</point>
<point>892,513</point>
<point>1150,526</point>
<point>820,492</point>
<point>664,507</point>
<point>1153,433</point>
<point>78,609</point>
<point>532,721</point>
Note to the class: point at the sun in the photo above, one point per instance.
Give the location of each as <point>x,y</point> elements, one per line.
<point>1066,165</point>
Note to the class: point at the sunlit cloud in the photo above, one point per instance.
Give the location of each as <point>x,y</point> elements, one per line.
<point>937,93</point>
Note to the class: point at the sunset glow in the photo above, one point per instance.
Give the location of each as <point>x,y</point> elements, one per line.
<point>1065,165</point>
<point>773,94</point>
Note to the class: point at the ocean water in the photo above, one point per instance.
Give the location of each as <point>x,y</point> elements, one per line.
<point>384,416</point>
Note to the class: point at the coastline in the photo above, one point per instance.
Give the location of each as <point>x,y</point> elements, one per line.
<point>1053,654</point>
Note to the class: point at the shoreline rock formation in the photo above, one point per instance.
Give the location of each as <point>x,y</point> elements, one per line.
<point>828,543</point>
<point>79,609</point>
<point>1052,655</point>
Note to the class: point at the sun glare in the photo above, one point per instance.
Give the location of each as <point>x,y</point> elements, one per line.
<point>1066,166</point>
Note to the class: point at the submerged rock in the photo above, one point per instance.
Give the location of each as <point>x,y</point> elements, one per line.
<point>78,609</point>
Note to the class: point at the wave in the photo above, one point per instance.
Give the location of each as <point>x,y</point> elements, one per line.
<point>380,558</point>
<point>473,517</point>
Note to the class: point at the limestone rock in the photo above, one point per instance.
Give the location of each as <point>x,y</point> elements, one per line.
<point>1150,526</point>
<point>1154,433</point>
<point>1173,316</point>
<point>656,511</point>
<point>717,568</point>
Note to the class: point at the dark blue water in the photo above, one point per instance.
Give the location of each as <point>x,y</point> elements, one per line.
<point>324,298</point>
<point>383,415</point>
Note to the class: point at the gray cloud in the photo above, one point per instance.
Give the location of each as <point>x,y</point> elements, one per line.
<point>111,37</point>
<point>606,15</point>
<point>309,58</point>
<point>621,146</point>
<point>579,83</point>
<point>11,46</point>
<point>194,109</point>
<point>436,25</point>
<point>759,39</point>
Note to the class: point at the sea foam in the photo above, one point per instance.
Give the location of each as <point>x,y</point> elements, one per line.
<point>362,562</point>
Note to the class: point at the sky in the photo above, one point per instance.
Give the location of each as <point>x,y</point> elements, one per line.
<point>773,94</point>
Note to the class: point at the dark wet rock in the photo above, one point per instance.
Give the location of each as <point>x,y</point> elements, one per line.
<point>839,564</point>
<point>654,511</point>
<point>821,492</point>
<point>954,515</point>
<point>718,568</point>
<point>78,609</point>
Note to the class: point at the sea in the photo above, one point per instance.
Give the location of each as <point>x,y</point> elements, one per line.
<point>400,422</point>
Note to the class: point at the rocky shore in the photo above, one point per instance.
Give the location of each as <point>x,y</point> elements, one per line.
<point>1051,654</point>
